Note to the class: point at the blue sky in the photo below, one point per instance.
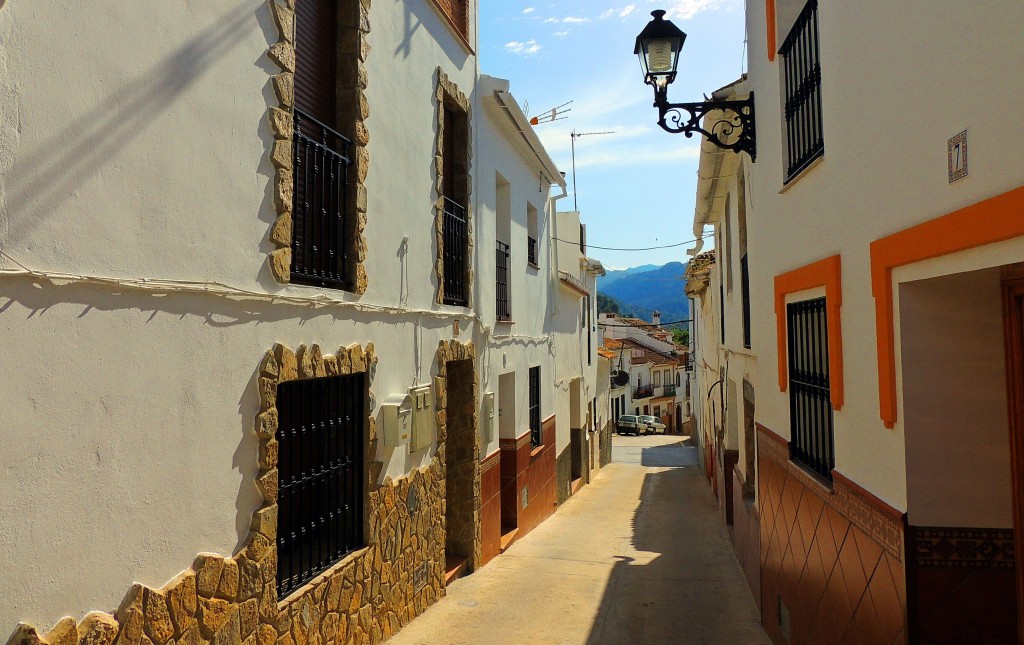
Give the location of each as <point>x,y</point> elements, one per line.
<point>636,187</point>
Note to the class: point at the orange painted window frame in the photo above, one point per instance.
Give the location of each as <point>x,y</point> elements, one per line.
<point>769,14</point>
<point>995,219</point>
<point>823,273</point>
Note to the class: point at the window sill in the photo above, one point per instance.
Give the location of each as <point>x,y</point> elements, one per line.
<point>806,170</point>
<point>536,451</point>
<point>328,573</point>
<point>504,321</point>
<point>810,478</point>
<point>531,265</point>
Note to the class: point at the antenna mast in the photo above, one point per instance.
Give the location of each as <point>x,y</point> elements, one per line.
<point>576,135</point>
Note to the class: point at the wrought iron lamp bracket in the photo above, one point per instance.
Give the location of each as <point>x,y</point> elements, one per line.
<point>733,131</point>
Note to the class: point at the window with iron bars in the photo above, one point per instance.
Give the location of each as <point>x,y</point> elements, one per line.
<point>810,407</point>
<point>322,201</point>
<point>535,434</point>
<point>745,289</point>
<point>320,465</point>
<point>501,287</point>
<point>454,225</point>
<point>321,196</point>
<point>801,66</point>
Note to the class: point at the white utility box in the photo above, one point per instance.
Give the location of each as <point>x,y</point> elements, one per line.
<point>396,417</point>
<point>488,418</point>
<point>422,417</point>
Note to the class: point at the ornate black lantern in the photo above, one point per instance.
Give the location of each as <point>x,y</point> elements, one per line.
<point>658,47</point>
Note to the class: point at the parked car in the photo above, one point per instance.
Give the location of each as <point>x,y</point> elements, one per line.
<point>630,424</point>
<point>652,424</point>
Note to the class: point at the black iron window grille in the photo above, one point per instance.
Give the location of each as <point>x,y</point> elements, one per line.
<point>669,390</point>
<point>321,197</point>
<point>643,391</point>
<point>454,253</point>
<point>745,288</point>
<point>504,312</point>
<point>810,407</point>
<point>535,434</point>
<point>802,68</point>
<point>531,250</point>
<point>320,465</point>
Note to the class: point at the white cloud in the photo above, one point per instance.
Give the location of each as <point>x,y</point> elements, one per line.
<point>561,34</point>
<point>528,48</point>
<point>574,20</point>
<point>607,14</point>
<point>628,9</point>
<point>686,9</point>
<point>546,20</point>
<point>528,10</point>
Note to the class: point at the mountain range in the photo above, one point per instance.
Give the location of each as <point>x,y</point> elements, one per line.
<point>644,289</point>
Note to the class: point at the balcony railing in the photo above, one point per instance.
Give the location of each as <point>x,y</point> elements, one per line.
<point>668,390</point>
<point>531,250</point>
<point>503,310</point>
<point>643,392</point>
<point>321,197</point>
<point>454,234</point>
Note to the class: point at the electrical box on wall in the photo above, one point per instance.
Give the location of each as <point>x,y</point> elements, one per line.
<point>397,417</point>
<point>422,417</point>
<point>487,418</point>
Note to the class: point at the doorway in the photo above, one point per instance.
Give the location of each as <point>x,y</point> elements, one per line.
<point>461,467</point>
<point>1013,326</point>
<point>960,566</point>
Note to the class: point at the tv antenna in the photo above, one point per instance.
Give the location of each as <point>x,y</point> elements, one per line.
<point>576,135</point>
<point>554,114</point>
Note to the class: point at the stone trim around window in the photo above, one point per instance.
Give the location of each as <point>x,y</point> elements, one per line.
<point>447,93</point>
<point>353,42</point>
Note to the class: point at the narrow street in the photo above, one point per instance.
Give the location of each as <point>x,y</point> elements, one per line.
<point>638,556</point>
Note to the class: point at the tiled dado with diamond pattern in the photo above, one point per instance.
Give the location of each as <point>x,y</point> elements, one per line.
<point>832,564</point>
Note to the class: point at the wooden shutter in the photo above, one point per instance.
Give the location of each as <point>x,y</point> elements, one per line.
<point>316,27</point>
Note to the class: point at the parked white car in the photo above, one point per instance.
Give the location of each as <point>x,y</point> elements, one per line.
<point>652,424</point>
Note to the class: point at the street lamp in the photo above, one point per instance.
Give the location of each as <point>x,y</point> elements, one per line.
<point>658,47</point>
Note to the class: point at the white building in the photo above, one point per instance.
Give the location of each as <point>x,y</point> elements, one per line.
<point>885,320</point>
<point>251,319</point>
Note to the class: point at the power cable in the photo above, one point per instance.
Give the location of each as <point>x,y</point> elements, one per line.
<point>647,248</point>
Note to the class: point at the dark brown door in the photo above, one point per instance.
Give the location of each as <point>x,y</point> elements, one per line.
<point>1013,316</point>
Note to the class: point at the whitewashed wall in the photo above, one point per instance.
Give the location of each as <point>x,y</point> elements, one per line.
<point>528,341</point>
<point>134,144</point>
<point>898,80</point>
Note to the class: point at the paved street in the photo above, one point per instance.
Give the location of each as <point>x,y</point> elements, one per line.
<point>638,556</point>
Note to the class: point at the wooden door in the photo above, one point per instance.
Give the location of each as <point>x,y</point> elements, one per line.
<point>1013,318</point>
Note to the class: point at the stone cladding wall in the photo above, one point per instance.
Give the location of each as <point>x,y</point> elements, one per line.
<point>365,598</point>
<point>606,444</point>
<point>563,474</point>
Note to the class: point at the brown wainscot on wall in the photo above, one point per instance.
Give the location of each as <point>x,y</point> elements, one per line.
<point>528,479</point>
<point>365,598</point>
<point>832,560</point>
<point>746,535</point>
<point>490,507</point>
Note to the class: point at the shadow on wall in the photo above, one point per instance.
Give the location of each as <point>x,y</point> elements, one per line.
<point>40,299</point>
<point>50,176</point>
<point>692,590</point>
<point>419,14</point>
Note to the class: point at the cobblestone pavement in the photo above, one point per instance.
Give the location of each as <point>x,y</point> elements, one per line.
<point>638,556</point>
